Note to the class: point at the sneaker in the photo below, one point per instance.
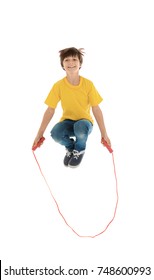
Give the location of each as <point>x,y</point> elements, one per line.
<point>76,158</point>
<point>67,157</point>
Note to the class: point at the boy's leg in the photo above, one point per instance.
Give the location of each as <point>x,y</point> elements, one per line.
<point>62,132</point>
<point>82,129</point>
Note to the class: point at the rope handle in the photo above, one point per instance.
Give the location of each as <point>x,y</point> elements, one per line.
<point>38,144</point>
<point>103,141</point>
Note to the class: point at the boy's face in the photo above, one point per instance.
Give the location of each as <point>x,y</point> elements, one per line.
<point>71,64</point>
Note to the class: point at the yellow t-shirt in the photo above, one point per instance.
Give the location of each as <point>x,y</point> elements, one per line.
<point>76,101</point>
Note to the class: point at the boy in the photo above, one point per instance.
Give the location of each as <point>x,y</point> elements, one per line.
<point>77,95</point>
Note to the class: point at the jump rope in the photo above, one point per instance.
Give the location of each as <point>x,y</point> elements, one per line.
<point>117,197</point>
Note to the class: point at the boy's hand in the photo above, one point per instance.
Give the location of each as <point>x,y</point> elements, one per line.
<point>36,141</point>
<point>107,144</point>
<point>106,138</point>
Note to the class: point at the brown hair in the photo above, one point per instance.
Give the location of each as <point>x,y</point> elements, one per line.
<point>71,52</point>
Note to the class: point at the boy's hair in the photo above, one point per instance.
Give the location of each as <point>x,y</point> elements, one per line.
<point>71,52</point>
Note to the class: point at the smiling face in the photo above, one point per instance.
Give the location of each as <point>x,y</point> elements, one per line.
<point>71,59</point>
<point>71,64</point>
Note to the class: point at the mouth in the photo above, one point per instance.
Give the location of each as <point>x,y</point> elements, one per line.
<point>71,67</point>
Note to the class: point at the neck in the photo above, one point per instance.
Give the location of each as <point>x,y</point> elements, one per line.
<point>73,79</point>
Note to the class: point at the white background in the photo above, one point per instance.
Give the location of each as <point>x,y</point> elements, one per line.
<point>119,59</point>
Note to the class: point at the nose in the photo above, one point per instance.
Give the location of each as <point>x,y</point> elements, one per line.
<point>71,62</point>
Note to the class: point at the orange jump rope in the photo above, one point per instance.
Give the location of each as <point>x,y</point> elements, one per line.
<point>117,197</point>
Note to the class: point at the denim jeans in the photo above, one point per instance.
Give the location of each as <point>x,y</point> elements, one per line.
<point>72,134</point>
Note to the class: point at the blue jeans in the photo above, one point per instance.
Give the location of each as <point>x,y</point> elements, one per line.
<point>72,134</point>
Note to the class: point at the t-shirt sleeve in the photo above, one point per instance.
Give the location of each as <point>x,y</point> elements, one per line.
<point>94,96</point>
<point>53,97</point>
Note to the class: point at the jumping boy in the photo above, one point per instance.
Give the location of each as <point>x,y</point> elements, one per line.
<point>78,96</point>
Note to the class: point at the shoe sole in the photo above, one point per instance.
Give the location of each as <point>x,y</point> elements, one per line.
<point>73,166</point>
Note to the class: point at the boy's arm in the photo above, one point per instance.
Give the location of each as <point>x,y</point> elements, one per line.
<point>97,112</point>
<point>45,121</point>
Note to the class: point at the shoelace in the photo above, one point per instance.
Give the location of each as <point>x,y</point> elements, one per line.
<point>68,153</point>
<point>76,154</point>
